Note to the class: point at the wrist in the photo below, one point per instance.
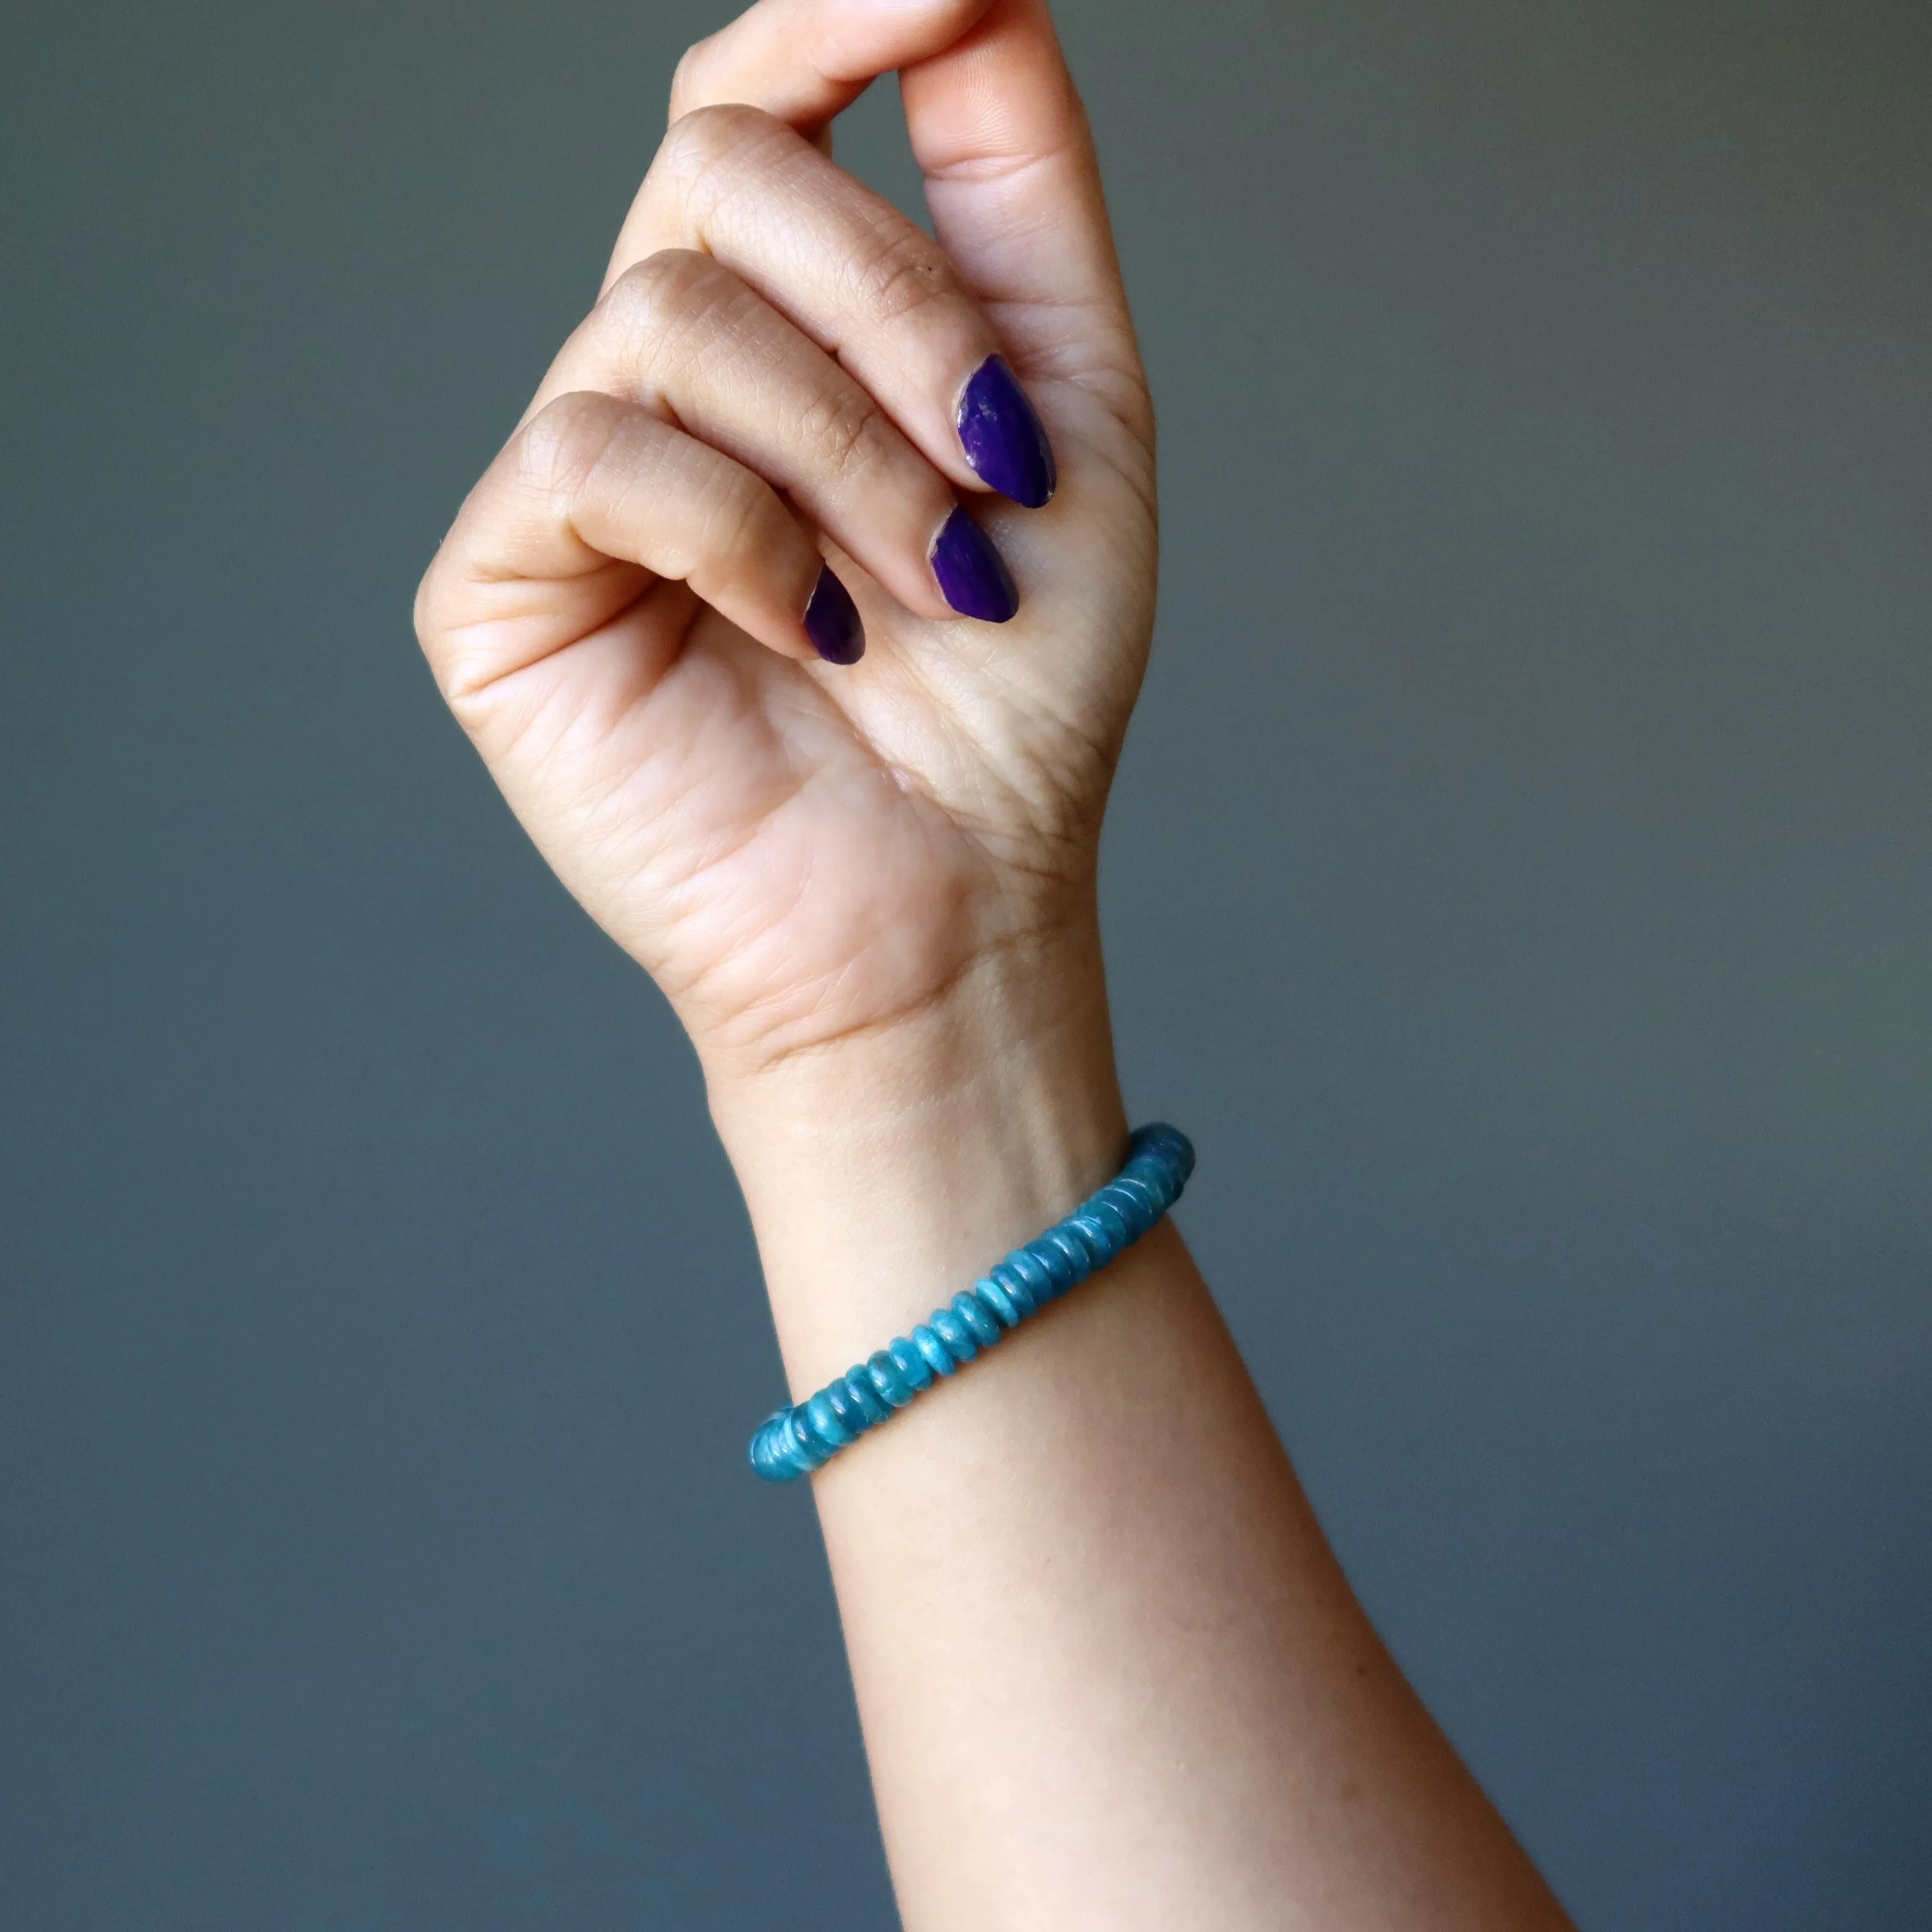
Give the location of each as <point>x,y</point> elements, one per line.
<point>885,1173</point>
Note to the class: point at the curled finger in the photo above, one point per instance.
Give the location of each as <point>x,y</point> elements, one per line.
<point>682,336</point>
<point>593,499</point>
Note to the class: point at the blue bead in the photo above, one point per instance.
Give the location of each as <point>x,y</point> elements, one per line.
<point>1168,1158</point>
<point>1132,1206</point>
<point>893,1389</point>
<point>954,1332</point>
<point>1028,1267</point>
<point>1111,1221</point>
<point>769,1451</point>
<point>1075,1261</point>
<point>803,1455</point>
<point>1029,1261</point>
<point>973,1312</point>
<point>1016,1289</point>
<point>1093,1240</point>
<point>990,1295</point>
<point>916,1369</point>
<point>806,1447</point>
<point>1174,1149</point>
<point>935,1352</point>
<point>827,1424</point>
<point>838,1399</point>
<point>857,1384</point>
<point>1060,1269</point>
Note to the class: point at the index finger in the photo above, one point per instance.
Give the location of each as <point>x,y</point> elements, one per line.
<point>807,60</point>
<point>998,127</point>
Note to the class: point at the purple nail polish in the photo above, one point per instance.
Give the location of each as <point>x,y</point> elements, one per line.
<point>973,574</point>
<point>1003,439</point>
<point>831,622</point>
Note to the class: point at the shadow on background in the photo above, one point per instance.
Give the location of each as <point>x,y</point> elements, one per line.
<point>1519,886</point>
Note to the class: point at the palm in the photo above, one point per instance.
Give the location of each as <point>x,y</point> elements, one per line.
<point>796,853</point>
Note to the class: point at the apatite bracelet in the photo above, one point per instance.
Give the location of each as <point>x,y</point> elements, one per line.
<point>799,1440</point>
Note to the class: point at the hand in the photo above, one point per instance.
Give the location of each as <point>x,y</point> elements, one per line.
<point>805,853</point>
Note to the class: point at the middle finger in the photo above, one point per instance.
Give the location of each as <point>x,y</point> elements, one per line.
<point>865,284</point>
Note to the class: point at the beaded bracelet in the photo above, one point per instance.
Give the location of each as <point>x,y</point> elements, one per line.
<point>801,1438</point>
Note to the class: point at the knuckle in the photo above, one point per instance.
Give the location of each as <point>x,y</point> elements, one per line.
<point>737,525</point>
<point>709,139</point>
<point>645,288</point>
<point>559,447</point>
<point>846,431</point>
<point>686,80</point>
<point>653,300</point>
<point>425,613</point>
<point>739,515</point>
<point>903,275</point>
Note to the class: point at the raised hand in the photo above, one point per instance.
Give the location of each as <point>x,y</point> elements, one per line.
<point>762,619</point>
<point>778,638</point>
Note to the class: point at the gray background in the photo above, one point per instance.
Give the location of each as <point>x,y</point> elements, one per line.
<point>1519,884</point>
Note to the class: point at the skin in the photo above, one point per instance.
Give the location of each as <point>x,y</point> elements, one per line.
<point>1109,1671</point>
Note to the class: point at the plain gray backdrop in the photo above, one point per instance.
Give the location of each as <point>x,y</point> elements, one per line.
<point>1518,883</point>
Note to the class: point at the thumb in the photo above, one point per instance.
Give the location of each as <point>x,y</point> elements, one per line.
<point>1014,188</point>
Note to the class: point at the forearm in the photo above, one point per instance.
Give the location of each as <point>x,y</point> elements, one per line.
<point>1109,1671</point>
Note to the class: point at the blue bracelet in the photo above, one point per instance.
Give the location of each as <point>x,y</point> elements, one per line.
<point>799,1440</point>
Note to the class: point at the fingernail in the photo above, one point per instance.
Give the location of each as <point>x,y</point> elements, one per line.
<point>1004,438</point>
<point>831,622</point>
<point>972,574</point>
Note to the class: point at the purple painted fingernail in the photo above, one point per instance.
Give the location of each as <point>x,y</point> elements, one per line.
<point>831,622</point>
<point>972,574</point>
<point>1004,438</point>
